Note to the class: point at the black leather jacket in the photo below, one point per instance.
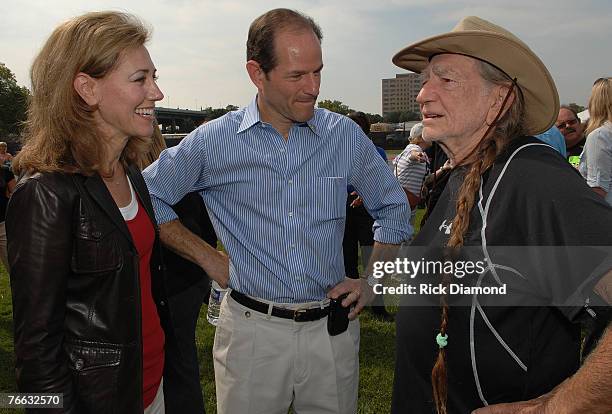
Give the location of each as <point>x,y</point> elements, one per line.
<point>76,292</point>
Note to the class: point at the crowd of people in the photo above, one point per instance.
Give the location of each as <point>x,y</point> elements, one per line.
<point>112,238</point>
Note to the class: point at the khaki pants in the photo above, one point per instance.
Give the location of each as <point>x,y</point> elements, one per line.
<point>263,364</point>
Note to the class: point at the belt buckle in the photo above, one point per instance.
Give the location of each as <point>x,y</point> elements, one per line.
<point>298,314</point>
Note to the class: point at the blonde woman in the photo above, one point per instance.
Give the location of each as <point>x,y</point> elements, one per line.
<point>596,160</point>
<point>86,274</point>
<point>4,155</point>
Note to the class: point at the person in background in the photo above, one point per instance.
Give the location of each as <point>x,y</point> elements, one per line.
<point>89,307</point>
<point>358,228</point>
<point>596,167</point>
<point>436,155</point>
<point>572,129</point>
<point>554,138</point>
<point>511,199</point>
<point>411,167</point>
<point>435,181</point>
<point>596,161</point>
<point>7,186</point>
<point>187,287</point>
<point>5,157</point>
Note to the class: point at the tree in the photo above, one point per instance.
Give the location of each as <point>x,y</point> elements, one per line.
<point>576,107</point>
<point>189,125</point>
<point>340,108</point>
<point>13,102</point>
<point>334,106</point>
<point>211,113</point>
<point>374,118</point>
<point>392,117</point>
<point>409,116</point>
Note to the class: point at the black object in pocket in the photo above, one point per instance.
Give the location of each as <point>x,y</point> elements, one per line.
<point>337,320</point>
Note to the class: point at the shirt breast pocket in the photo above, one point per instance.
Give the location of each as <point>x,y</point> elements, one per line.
<point>330,197</point>
<point>96,249</point>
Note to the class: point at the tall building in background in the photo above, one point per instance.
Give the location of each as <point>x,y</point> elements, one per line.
<point>399,93</point>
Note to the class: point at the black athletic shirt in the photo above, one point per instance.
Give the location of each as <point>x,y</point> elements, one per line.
<point>540,201</point>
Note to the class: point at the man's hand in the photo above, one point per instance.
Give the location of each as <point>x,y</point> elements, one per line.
<point>359,292</point>
<point>417,156</point>
<point>540,405</point>
<point>217,267</point>
<point>358,201</point>
<point>600,191</point>
<point>183,242</point>
<point>587,391</point>
<point>537,406</point>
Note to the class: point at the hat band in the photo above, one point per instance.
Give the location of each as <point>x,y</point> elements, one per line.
<point>510,78</point>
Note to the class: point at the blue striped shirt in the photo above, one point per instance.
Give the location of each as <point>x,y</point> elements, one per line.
<point>278,205</point>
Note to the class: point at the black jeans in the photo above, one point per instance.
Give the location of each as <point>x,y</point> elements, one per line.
<point>182,390</point>
<point>357,232</point>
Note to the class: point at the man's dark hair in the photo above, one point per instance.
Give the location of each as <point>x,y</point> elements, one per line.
<point>572,110</point>
<point>260,43</point>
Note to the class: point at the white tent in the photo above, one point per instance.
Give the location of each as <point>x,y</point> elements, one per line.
<point>584,116</point>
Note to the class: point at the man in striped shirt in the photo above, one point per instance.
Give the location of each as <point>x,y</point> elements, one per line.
<point>410,167</point>
<point>273,176</point>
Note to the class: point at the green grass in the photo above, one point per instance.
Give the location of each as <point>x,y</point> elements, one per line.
<point>7,357</point>
<point>376,357</point>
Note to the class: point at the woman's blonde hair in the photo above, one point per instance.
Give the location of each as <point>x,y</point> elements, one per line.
<point>156,146</point>
<point>60,133</point>
<point>600,104</point>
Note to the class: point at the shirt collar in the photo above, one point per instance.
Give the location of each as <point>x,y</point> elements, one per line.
<point>251,117</point>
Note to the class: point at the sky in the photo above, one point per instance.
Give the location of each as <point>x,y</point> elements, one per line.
<point>198,46</point>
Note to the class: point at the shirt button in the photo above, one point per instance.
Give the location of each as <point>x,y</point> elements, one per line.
<point>290,182</point>
<point>162,303</point>
<point>282,150</point>
<point>291,214</point>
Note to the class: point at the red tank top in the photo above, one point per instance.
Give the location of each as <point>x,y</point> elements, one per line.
<point>143,234</point>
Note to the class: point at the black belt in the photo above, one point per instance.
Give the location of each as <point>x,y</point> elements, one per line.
<point>298,315</point>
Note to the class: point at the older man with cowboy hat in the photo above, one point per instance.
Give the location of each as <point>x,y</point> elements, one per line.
<point>484,95</point>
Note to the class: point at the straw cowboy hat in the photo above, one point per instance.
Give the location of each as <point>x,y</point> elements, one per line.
<point>485,41</point>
